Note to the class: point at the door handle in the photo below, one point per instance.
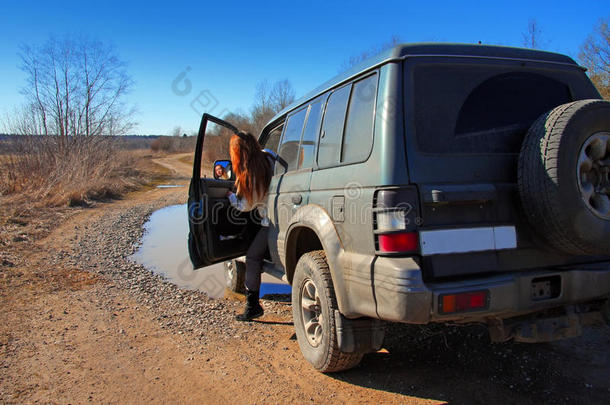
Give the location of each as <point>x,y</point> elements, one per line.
<point>297,199</point>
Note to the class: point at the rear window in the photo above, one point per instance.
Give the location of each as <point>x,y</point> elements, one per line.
<point>476,109</point>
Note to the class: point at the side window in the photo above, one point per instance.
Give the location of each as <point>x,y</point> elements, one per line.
<point>329,153</point>
<point>289,149</point>
<point>358,138</point>
<point>273,140</point>
<point>310,135</point>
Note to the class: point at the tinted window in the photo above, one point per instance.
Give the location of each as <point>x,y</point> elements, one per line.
<point>273,140</point>
<point>524,96</point>
<point>329,153</point>
<point>292,136</point>
<point>358,138</point>
<point>310,135</point>
<point>480,109</point>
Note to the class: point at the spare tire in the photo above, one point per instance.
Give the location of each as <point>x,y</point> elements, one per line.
<point>563,177</point>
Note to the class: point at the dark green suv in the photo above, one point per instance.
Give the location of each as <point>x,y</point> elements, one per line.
<point>432,183</point>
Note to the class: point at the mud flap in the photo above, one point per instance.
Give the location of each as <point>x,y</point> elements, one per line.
<point>362,335</point>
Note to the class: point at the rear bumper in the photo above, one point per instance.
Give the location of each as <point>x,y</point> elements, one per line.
<point>402,295</point>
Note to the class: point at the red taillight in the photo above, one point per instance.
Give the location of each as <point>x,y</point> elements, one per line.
<point>398,242</point>
<point>462,302</point>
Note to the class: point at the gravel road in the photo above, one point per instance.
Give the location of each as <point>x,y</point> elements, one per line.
<point>107,251</point>
<point>83,323</point>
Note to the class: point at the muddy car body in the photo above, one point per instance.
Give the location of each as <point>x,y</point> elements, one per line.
<point>431,183</point>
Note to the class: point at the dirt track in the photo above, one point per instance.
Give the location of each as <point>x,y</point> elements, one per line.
<point>81,323</point>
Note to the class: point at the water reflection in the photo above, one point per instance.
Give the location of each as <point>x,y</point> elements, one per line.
<point>164,251</point>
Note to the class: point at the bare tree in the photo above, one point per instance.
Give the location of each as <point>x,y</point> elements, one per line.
<point>532,37</point>
<point>241,121</point>
<point>282,94</point>
<point>595,56</point>
<point>356,59</point>
<point>176,131</point>
<point>76,86</point>
<point>268,101</point>
<point>23,120</point>
<point>262,110</point>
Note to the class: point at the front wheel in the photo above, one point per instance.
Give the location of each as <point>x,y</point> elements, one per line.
<point>235,271</point>
<point>313,308</point>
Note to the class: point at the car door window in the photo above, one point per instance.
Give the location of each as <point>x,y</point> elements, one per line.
<point>329,152</point>
<point>358,137</point>
<point>273,140</point>
<point>310,135</point>
<point>289,148</point>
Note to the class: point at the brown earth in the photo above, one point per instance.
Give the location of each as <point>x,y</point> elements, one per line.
<point>81,323</point>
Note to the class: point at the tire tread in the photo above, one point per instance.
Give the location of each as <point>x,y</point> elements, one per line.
<point>538,191</point>
<point>336,360</point>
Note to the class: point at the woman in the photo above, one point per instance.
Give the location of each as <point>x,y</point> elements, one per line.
<point>220,172</point>
<point>253,173</point>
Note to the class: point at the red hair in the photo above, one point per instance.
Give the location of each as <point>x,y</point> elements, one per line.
<point>252,169</point>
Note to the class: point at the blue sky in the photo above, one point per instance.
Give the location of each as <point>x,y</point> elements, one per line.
<point>226,48</point>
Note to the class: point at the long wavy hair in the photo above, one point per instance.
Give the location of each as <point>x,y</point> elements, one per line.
<point>252,169</point>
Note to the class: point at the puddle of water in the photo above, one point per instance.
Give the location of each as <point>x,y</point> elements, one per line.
<point>164,251</point>
<point>169,186</point>
<point>274,288</point>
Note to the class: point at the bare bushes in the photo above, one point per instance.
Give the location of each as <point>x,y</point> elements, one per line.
<point>173,144</point>
<point>63,150</point>
<point>55,170</point>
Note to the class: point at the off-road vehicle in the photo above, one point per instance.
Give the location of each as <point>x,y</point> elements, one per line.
<point>431,183</point>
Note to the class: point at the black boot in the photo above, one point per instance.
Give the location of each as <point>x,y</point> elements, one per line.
<point>253,307</point>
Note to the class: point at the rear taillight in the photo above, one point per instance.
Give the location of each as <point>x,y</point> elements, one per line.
<point>403,242</point>
<point>451,303</point>
<point>388,221</point>
<point>395,220</point>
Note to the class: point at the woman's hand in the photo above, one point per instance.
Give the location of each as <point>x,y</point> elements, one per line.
<point>228,194</point>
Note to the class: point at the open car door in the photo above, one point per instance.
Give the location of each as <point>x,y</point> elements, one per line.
<point>217,231</point>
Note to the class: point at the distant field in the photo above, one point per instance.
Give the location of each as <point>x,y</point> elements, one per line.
<point>5,147</point>
<point>76,172</point>
<point>124,142</point>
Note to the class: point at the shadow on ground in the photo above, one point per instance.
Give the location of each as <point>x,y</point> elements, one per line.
<point>460,365</point>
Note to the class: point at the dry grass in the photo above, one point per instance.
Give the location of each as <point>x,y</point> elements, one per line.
<point>187,159</point>
<point>173,144</point>
<point>53,171</point>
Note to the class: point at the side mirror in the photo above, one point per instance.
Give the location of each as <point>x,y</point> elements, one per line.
<point>223,170</point>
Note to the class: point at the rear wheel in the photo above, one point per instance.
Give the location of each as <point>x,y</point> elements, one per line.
<point>313,311</point>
